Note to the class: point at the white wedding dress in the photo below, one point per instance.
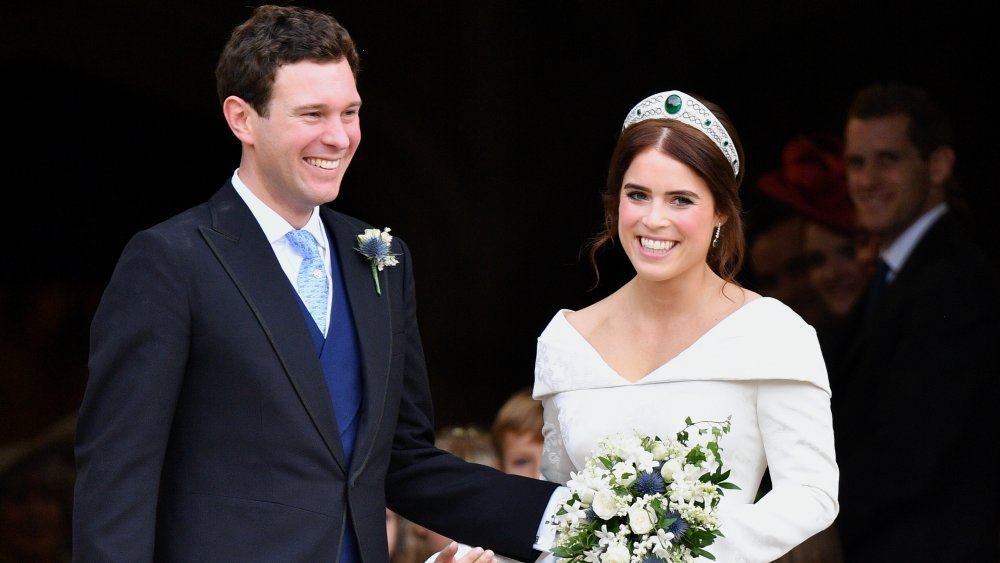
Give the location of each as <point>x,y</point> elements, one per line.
<point>762,364</point>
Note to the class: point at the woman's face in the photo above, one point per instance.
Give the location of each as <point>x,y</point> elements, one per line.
<point>835,269</point>
<point>666,217</point>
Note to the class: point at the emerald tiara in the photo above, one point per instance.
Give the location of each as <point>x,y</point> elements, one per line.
<point>674,104</point>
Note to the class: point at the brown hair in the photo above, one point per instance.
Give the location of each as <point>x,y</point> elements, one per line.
<point>520,414</point>
<point>470,443</point>
<point>694,148</point>
<point>274,36</point>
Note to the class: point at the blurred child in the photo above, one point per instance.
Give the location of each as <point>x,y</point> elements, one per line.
<point>517,435</point>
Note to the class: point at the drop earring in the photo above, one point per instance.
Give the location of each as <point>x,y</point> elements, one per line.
<point>715,239</point>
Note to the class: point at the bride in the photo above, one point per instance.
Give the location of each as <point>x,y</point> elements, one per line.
<point>683,339</point>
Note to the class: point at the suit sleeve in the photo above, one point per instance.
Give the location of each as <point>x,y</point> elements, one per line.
<point>138,349</point>
<point>472,503</point>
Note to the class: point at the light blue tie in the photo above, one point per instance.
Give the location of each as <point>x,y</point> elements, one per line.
<point>312,285</point>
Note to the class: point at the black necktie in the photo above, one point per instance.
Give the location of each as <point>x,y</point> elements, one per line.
<point>879,281</point>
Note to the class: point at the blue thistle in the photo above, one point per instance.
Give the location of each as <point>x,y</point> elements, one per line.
<point>373,247</point>
<point>650,558</point>
<point>590,515</point>
<point>677,527</point>
<point>649,484</point>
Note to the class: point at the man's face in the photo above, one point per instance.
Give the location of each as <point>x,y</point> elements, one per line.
<point>302,149</point>
<point>889,182</point>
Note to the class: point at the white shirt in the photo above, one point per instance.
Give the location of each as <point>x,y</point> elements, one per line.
<point>897,252</point>
<point>275,228</point>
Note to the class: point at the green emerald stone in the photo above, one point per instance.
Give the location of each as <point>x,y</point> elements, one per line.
<point>673,104</point>
<point>708,123</point>
<point>725,143</point>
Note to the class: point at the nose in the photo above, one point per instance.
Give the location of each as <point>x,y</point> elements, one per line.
<point>657,216</point>
<point>862,175</point>
<point>335,134</point>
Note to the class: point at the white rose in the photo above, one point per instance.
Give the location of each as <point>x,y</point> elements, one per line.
<point>616,554</point>
<point>639,519</point>
<point>672,468</point>
<point>659,450</point>
<point>625,473</point>
<point>586,495</point>
<point>605,504</point>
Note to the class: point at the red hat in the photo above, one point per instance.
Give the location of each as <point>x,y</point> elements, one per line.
<point>812,180</point>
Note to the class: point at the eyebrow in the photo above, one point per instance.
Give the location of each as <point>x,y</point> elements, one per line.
<point>320,106</point>
<point>685,193</point>
<point>879,153</point>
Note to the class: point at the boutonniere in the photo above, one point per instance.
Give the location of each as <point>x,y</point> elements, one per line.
<point>375,246</point>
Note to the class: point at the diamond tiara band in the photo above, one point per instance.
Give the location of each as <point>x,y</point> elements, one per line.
<point>674,104</point>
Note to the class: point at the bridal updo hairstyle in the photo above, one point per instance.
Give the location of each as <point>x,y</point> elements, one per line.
<point>692,147</point>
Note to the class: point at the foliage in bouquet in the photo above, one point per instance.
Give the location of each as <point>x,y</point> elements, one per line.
<point>643,499</point>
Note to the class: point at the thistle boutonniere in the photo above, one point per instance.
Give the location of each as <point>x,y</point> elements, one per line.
<point>375,245</point>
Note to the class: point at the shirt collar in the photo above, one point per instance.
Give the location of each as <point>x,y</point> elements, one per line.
<point>897,252</point>
<point>275,227</point>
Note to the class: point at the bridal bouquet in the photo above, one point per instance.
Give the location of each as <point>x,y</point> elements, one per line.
<point>642,499</point>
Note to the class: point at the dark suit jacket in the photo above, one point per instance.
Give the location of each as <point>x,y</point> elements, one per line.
<point>914,403</point>
<point>207,432</point>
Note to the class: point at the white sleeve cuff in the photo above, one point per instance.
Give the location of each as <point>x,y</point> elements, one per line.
<point>546,535</point>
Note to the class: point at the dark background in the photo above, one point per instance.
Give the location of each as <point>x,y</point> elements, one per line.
<point>487,129</point>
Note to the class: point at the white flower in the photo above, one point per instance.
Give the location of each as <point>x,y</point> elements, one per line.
<point>606,504</point>
<point>672,470</point>
<point>625,473</point>
<point>616,553</point>
<point>575,512</point>
<point>605,483</point>
<point>585,484</point>
<point>640,519</point>
<point>659,450</point>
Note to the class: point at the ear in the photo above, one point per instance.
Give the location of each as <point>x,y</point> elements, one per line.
<point>240,116</point>
<point>941,164</point>
<point>721,218</point>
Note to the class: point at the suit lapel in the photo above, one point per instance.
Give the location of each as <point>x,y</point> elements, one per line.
<point>872,332</point>
<point>372,320</point>
<point>241,247</point>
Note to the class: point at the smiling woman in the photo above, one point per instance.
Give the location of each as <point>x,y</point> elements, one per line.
<point>683,339</point>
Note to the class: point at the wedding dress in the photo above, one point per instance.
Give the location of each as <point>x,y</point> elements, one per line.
<point>761,365</point>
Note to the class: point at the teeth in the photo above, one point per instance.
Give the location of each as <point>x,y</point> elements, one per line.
<point>663,245</point>
<point>324,164</point>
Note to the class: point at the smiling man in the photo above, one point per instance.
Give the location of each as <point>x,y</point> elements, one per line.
<point>254,394</point>
<point>913,393</point>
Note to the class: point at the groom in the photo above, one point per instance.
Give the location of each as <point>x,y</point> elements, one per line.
<point>229,415</point>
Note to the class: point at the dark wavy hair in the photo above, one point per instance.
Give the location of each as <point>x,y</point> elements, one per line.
<point>274,36</point>
<point>692,147</point>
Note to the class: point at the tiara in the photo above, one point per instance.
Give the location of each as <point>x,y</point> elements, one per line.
<point>674,104</point>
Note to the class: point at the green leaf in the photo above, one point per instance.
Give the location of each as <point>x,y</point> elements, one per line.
<point>702,553</point>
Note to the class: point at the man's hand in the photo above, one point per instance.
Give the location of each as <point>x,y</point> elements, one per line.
<point>474,555</point>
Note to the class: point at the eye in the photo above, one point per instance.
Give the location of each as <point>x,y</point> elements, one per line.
<point>636,195</point>
<point>888,158</point>
<point>814,260</point>
<point>681,201</point>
